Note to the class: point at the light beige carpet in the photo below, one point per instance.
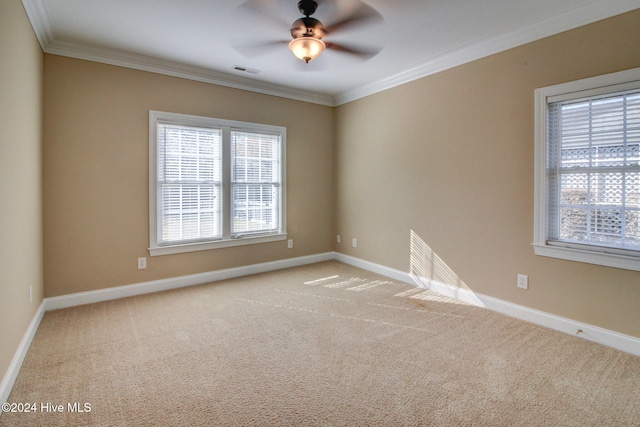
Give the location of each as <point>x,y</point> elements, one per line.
<point>325,344</point>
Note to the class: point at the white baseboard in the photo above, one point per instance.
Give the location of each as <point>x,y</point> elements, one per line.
<point>616,340</point>
<point>596,334</point>
<point>374,268</point>
<point>90,297</point>
<point>16,363</point>
<point>81,298</point>
<point>626,343</point>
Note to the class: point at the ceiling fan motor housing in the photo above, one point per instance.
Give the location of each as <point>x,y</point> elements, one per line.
<point>307,33</point>
<point>307,27</point>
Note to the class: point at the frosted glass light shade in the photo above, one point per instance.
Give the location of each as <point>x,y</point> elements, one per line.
<point>306,48</point>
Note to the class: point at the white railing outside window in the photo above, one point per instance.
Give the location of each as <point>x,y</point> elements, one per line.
<point>588,170</point>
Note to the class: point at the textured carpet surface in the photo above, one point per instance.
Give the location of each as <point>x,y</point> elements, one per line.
<point>326,344</point>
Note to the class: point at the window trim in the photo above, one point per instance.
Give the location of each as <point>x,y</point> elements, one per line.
<point>226,241</point>
<point>594,254</point>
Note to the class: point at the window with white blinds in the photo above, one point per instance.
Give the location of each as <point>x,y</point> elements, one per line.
<point>214,183</point>
<point>588,196</point>
<point>189,183</point>
<point>255,183</point>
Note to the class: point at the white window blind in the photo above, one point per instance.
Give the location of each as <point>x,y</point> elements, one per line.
<point>255,181</point>
<point>189,183</point>
<point>214,183</point>
<point>587,170</point>
<point>594,170</point>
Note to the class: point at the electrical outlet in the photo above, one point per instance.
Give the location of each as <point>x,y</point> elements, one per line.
<point>354,243</point>
<point>142,263</point>
<point>523,281</point>
<point>290,243</point>
<point>338,238</point>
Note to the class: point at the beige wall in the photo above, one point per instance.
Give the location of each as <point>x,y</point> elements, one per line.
<point>96,121</point>
<point>20,177</point>
<point>422,158</point>
<point>450,157</point>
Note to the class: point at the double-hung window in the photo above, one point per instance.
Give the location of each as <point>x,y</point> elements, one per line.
<point>587,196</point>
<point>214,183</point>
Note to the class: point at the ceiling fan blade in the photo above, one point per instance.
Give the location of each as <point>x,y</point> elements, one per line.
<point>256,21</point>
<point>262,12</point>
<point>362,52</point>
<point>362,15</point>
<point>252,49</point>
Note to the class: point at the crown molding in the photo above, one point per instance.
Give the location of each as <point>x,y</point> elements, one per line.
<point>593,11</point>
<point>39,17</point>
<point>175,69</point>
<point>578,17</point>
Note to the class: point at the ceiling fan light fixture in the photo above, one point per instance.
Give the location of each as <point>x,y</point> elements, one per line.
<point>307,48</point>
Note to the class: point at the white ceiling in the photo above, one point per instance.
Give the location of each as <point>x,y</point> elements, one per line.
<point>195,38</point>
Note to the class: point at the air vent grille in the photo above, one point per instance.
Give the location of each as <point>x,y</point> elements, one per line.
<point>245,69</point>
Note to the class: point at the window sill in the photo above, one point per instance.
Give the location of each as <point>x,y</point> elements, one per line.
<point>589,257</point>
<point>205,246</point>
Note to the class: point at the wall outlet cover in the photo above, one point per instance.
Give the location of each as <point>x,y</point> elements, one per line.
<point>523,281</point>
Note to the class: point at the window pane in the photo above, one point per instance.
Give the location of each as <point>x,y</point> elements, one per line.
<point>632,227</point>
<point>574,189</point>
<point>596,170</point>
<point>255,157</point>
<point>255,165</point>
<point>255,208</point>
<point>189,183</point>
<point>605,226</point>
<point>190,212</point>
<point>633,190</point>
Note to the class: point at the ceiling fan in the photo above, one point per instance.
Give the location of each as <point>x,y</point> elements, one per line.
<point>308,33</point>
